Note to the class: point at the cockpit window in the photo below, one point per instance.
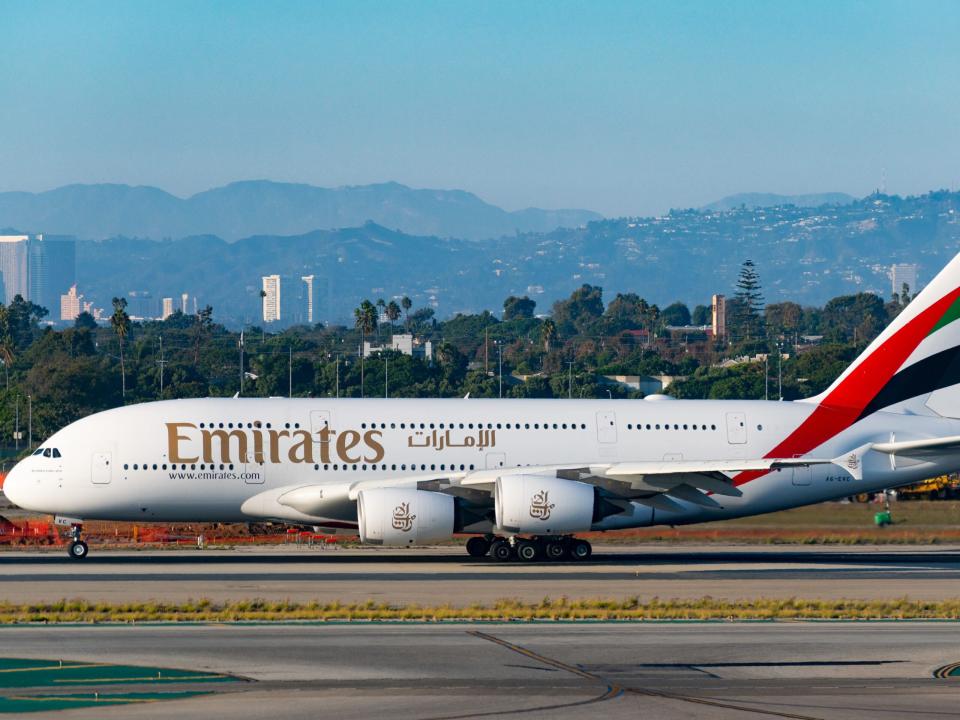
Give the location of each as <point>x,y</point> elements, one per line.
<point>46,453</point>
<point>56,453</point>
<point>38,451</point>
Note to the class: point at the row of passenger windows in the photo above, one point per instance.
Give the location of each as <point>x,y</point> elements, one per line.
<point>255,424</point>
<point>668,426</point>
<point>478,426</point>
<point>174,466</point>
<point>383,467</point>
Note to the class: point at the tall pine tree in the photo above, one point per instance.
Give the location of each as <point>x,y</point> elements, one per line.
<point>748,304</point>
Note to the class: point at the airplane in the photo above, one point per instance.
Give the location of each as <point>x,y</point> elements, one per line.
<point>522,477</point>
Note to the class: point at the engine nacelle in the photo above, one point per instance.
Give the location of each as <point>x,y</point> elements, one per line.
<point>402,516</point>
<point>544,505</point>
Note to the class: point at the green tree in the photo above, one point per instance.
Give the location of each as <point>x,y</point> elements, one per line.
<point>85,321</point>
<point>517,308</point>
<point>406,303</point>
<point>393,314</point>
<point>365,320</point>
<point>120,322</point>
<point>548,333</point>
<point>676,314</point>
<point>748,303</point>
<point>202,328</point>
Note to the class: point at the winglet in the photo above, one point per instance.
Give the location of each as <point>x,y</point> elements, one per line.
<point>852,461</point>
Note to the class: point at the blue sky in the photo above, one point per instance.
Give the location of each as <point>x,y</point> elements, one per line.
<point>625,108</point>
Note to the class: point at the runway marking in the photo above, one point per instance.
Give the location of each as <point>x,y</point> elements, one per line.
<point>617,690</point>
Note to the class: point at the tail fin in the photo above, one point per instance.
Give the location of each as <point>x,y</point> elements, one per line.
<point>918,354</point>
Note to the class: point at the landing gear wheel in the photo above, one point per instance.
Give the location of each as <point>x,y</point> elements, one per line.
<point>78,550</point>
<point>580,550</point>
<point>501,550</point>
<point>554,550</point>
<point>527,550</point>
<point>478,547</point>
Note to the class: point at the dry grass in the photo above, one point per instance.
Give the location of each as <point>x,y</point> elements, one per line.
<point>563,609</point>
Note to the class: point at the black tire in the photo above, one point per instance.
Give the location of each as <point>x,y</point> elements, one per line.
<point>501,550</point>
<point>580,550</point>
<point>554,550</point>
<point>528,551</point>
<point>78,550</point>
<point>477,547</point>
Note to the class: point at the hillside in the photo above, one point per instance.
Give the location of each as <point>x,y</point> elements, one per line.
<point>260,207</point>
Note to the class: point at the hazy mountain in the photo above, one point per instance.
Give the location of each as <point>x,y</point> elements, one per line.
<point>243,209</point>
<point>802,255</point>
<point>762,200</point>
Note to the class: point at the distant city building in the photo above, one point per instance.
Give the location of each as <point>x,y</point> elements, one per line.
<point>718,306</point>
<point>903,274</point>
<point>52,269</point>
<point>405,343</point>
<point>306,304</point>
<point>184,298</point>
<point>13,266</point>
<point>271,298</point>
<point>167,309</point>
<point>71,304</point>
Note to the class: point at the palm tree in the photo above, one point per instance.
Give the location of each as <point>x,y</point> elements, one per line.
<point>406,303</point>
<point>548,333</point>
<point>381,307</point>
<point>365,318</point>
<point>121,326</point>
<point>393,314</point>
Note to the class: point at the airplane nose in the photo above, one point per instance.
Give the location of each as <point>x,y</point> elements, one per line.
<point>15,486</point>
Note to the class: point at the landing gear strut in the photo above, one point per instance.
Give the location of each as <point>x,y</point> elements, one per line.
<point>530,549</point>
<point>78,548</point>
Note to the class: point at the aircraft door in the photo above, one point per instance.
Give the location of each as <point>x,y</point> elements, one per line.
<point>101,469</point>
<point>255,473</point>
<point>319,419</point>
<point>736,428</point>
<point>496,460</point>
<point>607,427</point>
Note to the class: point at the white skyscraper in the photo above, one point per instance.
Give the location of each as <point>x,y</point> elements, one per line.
<point>904,274</point>
<point>271,298</point>
<point>167,308</point>
<point>308,299</point>
<point>184,298</point>
<point>70,304</point>
<point>13,266</point>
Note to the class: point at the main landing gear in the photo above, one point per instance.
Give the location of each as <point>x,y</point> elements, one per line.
<point>529,549</point>
<point>78,548</point>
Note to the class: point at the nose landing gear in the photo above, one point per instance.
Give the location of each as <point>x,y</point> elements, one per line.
<point>78,548</point>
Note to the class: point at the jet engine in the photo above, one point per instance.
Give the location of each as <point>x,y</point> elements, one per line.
<point>404,516</point>
<point>544,505</point>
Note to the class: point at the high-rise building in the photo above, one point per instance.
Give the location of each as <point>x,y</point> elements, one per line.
<point>13,266</point>
<point>52,263</point>
<point>184,298</point>
<point>903,274</point>
<point>306,304</point>
<point>70,304</point>
<point>271,298</point>
<point>167,310</point>
<point>718,305</point>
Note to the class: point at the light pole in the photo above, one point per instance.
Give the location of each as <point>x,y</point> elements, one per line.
<point>289,371</point>
<point>500,372</point>
<point>570,380</point>
<point>338,375</point>
<point>780,370</point>
<point>29,422</point>
<point>766,376</point>
<point>16,426</point>
<point>386,376</point>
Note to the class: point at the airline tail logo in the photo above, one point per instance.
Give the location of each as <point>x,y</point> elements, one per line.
<point>402,519</point>
<point>853,462</point>
<point>540,506</point>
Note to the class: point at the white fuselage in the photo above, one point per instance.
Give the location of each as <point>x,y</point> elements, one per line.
<point>200,460</point>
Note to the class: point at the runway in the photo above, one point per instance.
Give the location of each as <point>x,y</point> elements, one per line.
<point>447,575</point>
<point>658,670</point>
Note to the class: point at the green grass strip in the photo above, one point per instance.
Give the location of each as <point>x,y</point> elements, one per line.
<point>562,609</point>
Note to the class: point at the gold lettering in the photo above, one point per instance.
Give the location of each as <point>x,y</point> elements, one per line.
<point>346,441</point>
<point>173,442</point>
<point>224,437</point>
<point>258,447</point>
<point>304,445</point>
<point>324,444</point>
<point>370,438</point>
<point>275,436</point>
